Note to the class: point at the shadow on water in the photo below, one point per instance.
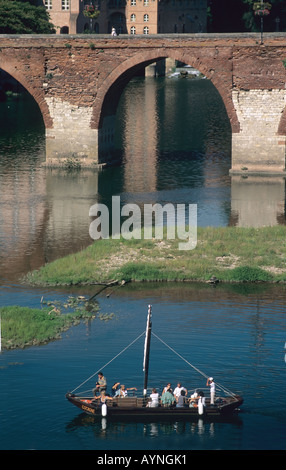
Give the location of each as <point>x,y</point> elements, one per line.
<point>144,427</point>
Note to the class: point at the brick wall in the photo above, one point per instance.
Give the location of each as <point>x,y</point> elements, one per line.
<point>77,79</point>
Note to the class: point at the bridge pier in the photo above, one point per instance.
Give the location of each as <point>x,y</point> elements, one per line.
<point>257,148</point>
<point>71,137</point>
<point>76,82</point>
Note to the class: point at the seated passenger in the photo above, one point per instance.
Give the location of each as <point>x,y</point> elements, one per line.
<point>115,389</point>
<point>167,388</point>
<point>193,400</point>
<point>181,402</point>
<point>167,399</point>
<point>178,390</point>
<point>154,398</point>
<point>102,397</point>
<point>101,385</point>
<point>123,392</point>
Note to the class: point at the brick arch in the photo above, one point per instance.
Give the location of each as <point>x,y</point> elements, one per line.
<point>34,92</point>
<point>127,69</point>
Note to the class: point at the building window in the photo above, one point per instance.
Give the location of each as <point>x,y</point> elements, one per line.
<point>133,17</point>
<point>146,3</point>
<point>48,4</point>
<point>146,30</point>
<point>133,30</point>
<point>146,18</point>
<point>133,3</point>
<point>65,4</point>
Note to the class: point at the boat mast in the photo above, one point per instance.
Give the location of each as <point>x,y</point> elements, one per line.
<point>147,348</point>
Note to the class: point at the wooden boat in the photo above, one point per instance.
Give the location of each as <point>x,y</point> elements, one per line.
<point>138,406</point>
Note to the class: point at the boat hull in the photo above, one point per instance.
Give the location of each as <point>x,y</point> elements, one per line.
<point>133,407</point>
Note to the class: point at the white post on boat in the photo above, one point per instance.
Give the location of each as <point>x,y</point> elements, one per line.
<point>103,409</point>
<point>147,348</point>
<point>200,406</point>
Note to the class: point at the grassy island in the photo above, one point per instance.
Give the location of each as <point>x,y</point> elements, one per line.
<point>24,326</point>
<point>231,254</point>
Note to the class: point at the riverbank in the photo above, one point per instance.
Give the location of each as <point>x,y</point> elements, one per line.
<point>231,254</point>
<point>24,326</point>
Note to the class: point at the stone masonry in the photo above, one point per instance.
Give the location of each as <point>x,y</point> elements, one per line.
<point>77,82</point>
<point>259,113</point>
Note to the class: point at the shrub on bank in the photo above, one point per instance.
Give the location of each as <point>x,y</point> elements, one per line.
<point>248,274</point>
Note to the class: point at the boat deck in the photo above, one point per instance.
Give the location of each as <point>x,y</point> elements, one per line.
<point>138,406</point>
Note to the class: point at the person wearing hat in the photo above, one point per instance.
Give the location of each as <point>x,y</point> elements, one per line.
<point>211,384</point>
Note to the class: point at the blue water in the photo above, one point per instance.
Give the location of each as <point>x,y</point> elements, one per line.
<point>178,152</point>
<point>237,337</point>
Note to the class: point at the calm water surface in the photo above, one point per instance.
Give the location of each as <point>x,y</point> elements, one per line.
<point>236,336</point>
<point>175,141</point>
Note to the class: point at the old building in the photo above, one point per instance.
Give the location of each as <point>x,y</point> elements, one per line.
<point>128,16</point>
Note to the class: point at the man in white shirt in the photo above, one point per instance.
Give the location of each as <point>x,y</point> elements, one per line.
<point>211,384</point>
<point>178,389</point>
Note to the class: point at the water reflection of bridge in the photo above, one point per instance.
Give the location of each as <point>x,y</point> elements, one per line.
<point>257,201</point>
<point>44,214</point>
<point>47,217</point>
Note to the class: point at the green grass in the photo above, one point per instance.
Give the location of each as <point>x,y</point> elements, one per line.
<point>24,326</point>
<point>231,254</point>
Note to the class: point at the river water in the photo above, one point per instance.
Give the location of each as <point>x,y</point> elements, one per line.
<point>175,140</point>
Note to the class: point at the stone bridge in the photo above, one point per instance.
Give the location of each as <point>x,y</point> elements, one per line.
<point>77,82</point>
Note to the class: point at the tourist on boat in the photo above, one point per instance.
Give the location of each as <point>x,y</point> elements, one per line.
<point>102,397</point>
<point>182,400</point>
<point>211,384</point>
<point>115,389</point>
<point>154,398</point>
<point>167,389</point>
<point>167,398</point>
<point>101,385</point>
<point>193,400</point>
<point>123,392</point>
<point>178,391</point>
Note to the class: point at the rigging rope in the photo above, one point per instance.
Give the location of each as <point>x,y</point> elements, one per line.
<point>163,342</point>
<point>134,341</point>
<point>195,368</point>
